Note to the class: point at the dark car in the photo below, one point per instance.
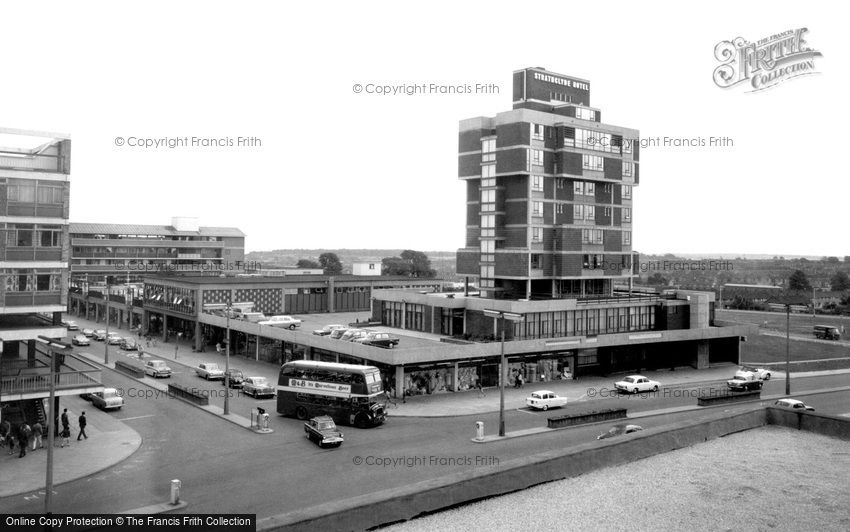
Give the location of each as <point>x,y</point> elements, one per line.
<point>236,377</point>
<point>378,339</point>
<point>322,431</point>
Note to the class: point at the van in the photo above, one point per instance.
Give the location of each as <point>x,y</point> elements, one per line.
<point>827,332</point>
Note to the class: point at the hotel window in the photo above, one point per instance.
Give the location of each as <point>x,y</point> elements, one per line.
<point>560,208</point>
<point>488,271</point>
<point>536,234</point>
<point>592,236</point>
<point>589,212</point>
<point>592,162</point>
<point>627,214</point>
<point>488,182</point>
<point>488,196</point>
<point>488,150</point>
<point>627,192</point>
<point>578,187</point>
<point>488,222</point>
<point>585,114</point>
<point>536,261</point>
<point>50,194</point>
<point>21,190</point>
<point>607,188</point>
<point>537,157</point>
<point>560,182</point>
<point>589,189</point>
<point>20,235</point>
<point>627,238</point>
<point>537,131</point>
<point>537,183</point>
<point>578,212</point>
<point>627,169</point>
<point>537,208</point>
<point>569,136</point>
<point>606,212</point>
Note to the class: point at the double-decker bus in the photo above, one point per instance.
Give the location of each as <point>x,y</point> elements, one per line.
<point>349,393</point>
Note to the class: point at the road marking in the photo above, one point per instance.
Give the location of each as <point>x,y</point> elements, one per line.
<point>137,417</point>
<point>527,411</point>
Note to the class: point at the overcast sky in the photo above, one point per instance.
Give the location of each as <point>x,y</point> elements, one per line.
<point>337,169</point>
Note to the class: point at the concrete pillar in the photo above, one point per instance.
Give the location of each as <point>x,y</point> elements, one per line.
<point>96,312</point>
<point>528,289</point>
<point>403,315</point>
<point>120,317</point>
<point>199,341</point>
<point>146,320</point>
<point>455,380</point>
<point>702,354</point>
<point>399,381</point>
<point>86,302</point>
<point>331,295</point>
<point>30,353</point>
<point>165,328</point>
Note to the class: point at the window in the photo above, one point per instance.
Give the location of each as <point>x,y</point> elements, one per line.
<point>489,182</point>
<point>589,212</point>
<point>537,131</point>
<point>592,236</point>
<point>371,266</point>
<point>537,183</point>
<point>627,214</point>
<point>537,157</point>
<point>627,192</point>
<point>569,136</point>
<point>560,208</point>
<point>488,150</point>
<point>487,246</point>
<point>488,196</point>
<point>585,114</point>
<point>20,235</point>
<point>488,171</point>
<point>22,190</point>
<point>537,208</point>
<point>536,234</point>
<point>592,162</point>
<point>578,187</point>
<point>627,238</point>
<point>536,261</point>
<point>578,212</point>
<point>607,188</point>
<point>589,189</point>
<point>627,169</point>
<point>560,182</point>
<point>606,212</point>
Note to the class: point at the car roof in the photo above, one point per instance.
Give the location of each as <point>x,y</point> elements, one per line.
<point>322,418</point>
<point>543,391</point>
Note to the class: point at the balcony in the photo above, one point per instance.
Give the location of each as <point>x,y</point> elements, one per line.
<point>30,379</point>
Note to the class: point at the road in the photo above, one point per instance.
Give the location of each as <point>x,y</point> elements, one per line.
<point>225,468</point>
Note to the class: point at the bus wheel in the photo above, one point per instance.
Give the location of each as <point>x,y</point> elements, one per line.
<point>301,413</point>
<point>361,422</point>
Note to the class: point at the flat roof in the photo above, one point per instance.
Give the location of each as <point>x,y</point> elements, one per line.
<point>157,230</point>
<point>293,279</point>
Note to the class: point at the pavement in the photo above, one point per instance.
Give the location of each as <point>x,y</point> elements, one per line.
<point>111,441</point>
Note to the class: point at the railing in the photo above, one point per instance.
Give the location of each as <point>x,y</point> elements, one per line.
<point>41,382</point>
<point>596,300</point>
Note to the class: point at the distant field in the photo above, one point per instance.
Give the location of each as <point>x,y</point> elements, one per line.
<point>801,324</point>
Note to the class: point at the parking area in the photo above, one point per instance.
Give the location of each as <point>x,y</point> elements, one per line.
<point>311,322</point>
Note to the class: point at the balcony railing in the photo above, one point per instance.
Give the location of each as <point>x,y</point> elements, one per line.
<point>21,376</point>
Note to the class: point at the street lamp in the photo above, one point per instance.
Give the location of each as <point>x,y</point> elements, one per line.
<point>51,415</point>
<point>788,299</point>
<point>106,340</point>
<point>503,370</point>
<point>227,310</point>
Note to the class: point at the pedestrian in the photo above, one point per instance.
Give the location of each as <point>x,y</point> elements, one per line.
<point>66,423</point>
<point>480,388</point>
<point>24,433</point>
<point>10,439</point>
<point>37,433</point>
<point>218,347</point>
<point>520,380</point>
<point>5,430</point>
<point>66,436</point>
<point>82,422</point>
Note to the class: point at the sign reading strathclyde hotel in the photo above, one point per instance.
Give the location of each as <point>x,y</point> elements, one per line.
<point>765,63</point>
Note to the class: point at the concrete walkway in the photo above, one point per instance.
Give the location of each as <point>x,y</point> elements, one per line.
<point>110,441</point>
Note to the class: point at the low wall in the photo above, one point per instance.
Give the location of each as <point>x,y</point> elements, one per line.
<point>570,420</point>
<point>834,426</point>
<point>129,368</point>
<point>187,394</point>
<point>731,397</point>
<point>400,504</point>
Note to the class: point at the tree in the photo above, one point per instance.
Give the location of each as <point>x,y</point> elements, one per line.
<point>798,281</point>
<point>656,279</point>
<point>331,264</point>
<point>308,264</point>
<point>409,264</point>
<point>839,281</point>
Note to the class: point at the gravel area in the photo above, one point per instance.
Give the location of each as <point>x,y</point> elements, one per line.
<point>771,478</point>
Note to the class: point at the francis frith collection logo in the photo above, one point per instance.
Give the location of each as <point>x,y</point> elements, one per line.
<point>765,63</point>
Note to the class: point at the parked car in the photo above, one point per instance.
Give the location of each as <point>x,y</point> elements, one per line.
<point>86,396</point>
<point>617,430</point>
<point>80,339</point>
<point>337,334</point>
<point>100,335</point>
<point>209,371</point>
<point>236,378</point>
<point>88,332</point>
<point>129,344</point>
<point>71,325</point>
<point>826,332</point>
<point>322,431</point>
<point>285,322</point>
<point>761,372</point>
<point>793,404</point>
<point>258,387</point>
<point>328,329</point>
<point>352,334</point>
<point>108,399</point>
<point>636,384</point>
<point>113,339</point>
<point>379,339</point>
<point>544,400</point>
<point>745,381</point>
<point>254,317</point>
<point>157,368</point>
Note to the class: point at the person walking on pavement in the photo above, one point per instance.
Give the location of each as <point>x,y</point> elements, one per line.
<point>37,433</point>
<point>82,422</point>
<point>480,388</point>
<point>66,436</point>
<point>24,433</point>
<point>66,423</point>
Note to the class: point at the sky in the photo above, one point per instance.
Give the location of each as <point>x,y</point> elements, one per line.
<point>324,166</point>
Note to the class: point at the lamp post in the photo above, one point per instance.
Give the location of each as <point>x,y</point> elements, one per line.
<point>51,415</point>
<point>106,340</point>
<point>227,310</point>
<point>788,349</point>
<point>502,316</point>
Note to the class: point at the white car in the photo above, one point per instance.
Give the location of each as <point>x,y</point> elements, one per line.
<point>257,386</point>
<point>327,330</point>
<point>286,322</point>
<point>80,339</point>
<point>157,368</point>
<point>637,384</point>
<point>544,400</point>
<point>761,372</point>
<point>114,339</point>
<point>209,371</point>
<point>108,399</point>
<point>793,404</point>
